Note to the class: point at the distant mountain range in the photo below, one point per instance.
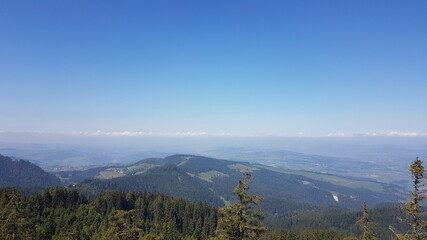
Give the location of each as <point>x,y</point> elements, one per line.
<point>212,180</point>
<point>23,174</point>
<point>203,179</point>
<point>388,164</point>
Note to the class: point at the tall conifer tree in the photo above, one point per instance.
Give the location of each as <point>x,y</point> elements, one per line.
<point>240,221</point>
<point>366,225</point>
<point>413,205</point>
<point>14,216</point>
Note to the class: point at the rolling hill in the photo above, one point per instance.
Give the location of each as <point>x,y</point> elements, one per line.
<point>212,180</point>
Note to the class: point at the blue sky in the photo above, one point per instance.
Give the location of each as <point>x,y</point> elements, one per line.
<point>238,67</point>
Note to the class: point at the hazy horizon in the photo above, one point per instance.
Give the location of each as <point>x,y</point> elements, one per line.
<point>336,145</point>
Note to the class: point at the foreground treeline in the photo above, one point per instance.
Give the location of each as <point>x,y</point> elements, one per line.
<point>60,213</point>
<point>344,220</point>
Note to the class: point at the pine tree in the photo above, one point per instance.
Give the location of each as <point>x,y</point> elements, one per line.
<point>413,205</point>
<point>240,221</point>
<point>365,224</point>
<point>122,225</point>
<point>14,216</point>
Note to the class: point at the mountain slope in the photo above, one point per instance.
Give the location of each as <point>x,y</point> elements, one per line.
<point>208,179</point>
<point>166,179</point>
<point>23,174</point>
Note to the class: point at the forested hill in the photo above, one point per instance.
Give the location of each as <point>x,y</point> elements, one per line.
<point>23,174</point>
<point>212,180</point>
<point>168,179</point>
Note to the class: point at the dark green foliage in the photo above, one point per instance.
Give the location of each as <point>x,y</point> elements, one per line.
<point>169,180</point>
<point>413,205</point>
<point>240,221</point>
<point>23,174</point>
<point>366,225</point>
<point>122,225</point>
<point>303,235</point>
<point>59,213</point>
<point>55,198</point>
<point>15,221</point>
<point>338,219</point>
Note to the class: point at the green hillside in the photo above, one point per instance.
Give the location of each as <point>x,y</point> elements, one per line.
<point>211,180</point>
<point>168,179</point>
<point>23,174</point>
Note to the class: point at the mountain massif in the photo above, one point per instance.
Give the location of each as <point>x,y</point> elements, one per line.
<point>212,180</point>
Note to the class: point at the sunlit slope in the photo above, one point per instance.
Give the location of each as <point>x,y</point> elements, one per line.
<point>212,180</point>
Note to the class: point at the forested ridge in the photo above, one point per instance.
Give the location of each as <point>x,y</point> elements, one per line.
<point>167,179</point>
<point>23,174</point>
<point>212,180</point>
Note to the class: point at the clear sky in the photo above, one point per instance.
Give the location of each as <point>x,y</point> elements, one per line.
<point>244,68</point>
